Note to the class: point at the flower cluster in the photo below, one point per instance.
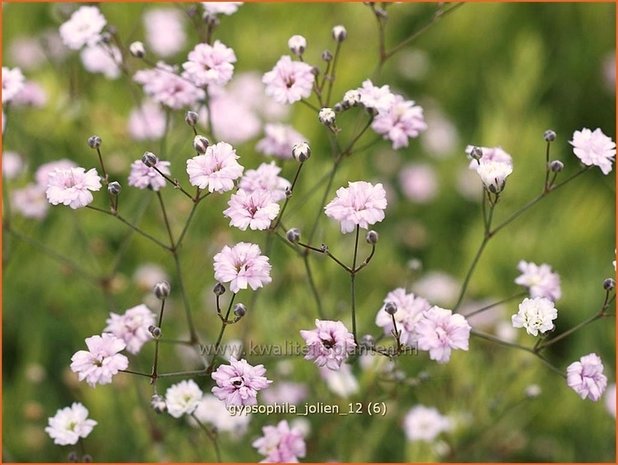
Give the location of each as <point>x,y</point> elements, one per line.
<point>329,344</point>
<point>281,444</point>
<point>238,383</point>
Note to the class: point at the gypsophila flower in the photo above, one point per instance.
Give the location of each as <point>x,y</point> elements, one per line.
<point>378,98</point>
<point>147,122</point>
<point>225,8</point>
<point>409,312</point>
<point>165,86</point>
<point>242,266</point>
<point>169,20</point>
<point>586,377</point>
<point>593,148</point>
<point>210,64</point>
<point>280,444</point>
<point>360,204</point>
<point>182,398</point>
<point>610,400</point>
<point>101,361</point>
<point>254,210</point>
<point>132,327</point>
<point>103,59</point>
<point>238,383</point>
<point>216,170</point>
<point>70,424</point>
<point>83,28</point>
<point>12,165</point>
<point>402,120</point>
<point>279,140</point>
<point>536,315</point>
<point>285,392</point>
<point>42,173</point>
<point>539,279</point>
<point>351,98</point>
<point>329,344</point>
<point>30,201</point>
<point>418,182</point>
<point>342,382</point>
<point>31,95</point>
<point>494,174</point>
<point>266,178</point>
<point>146,177</point>
<point>425,423</point>
<point>289,81</point>
<point>72,187</point>
<point>489,154</point>
<point>212,411</point>
<point>440,331</point>
<point>13,82</point>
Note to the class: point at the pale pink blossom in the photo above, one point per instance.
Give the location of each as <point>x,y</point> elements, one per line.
<point>12,83</point>
<point>27,53</point>
<point>232,119</point>
<point>329,344</point>
<point>42,173</point>
<point>182,398</point>
<point>164,30</point>
<point>101,361</point>
<point>586,377</point>
<point>147,122</point>
<point>438,287</point>
<point>132,327</point>
<point>281,444</point>
<point>102,59</point>
<point>12,165</point>
<point>72,187</point>
<point>402,120</point>
<point>425,423</point>
<point>238,383</point>
<point>378,98</point>
<point>242,266</point>
<point>610,400</point>
<point>360,204</point>
<point>489,154</point>
<point>285,392</point>
<point>69,425</point>
<point>593,148</point>
<point>266,177</point>
<point>83,28</point>
<point>289,81</point>
<point>279,140</point>
<point>410,309</point>
<point>216,170</point>
<point>254,210</point>
<point>212,411</point>
<point>146,177</point>
<point>30,201</point>
<point>342,382</point>
<point>419,183</point>
<point>536,315</point>
<point>31,95</point>
<point>249,88</point>
<point>210,64</point>
<point>149,274</point>
<point>224,8</point>
<point>165,86</point>
<point>440,331</point>
<point>493,174</point>
<point>540,280</point>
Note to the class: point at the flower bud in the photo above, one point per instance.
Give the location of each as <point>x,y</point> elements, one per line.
<point>339,33</point>
<point>219,289</point>
<point>94,142</point>
<point>326,55</point>
<point>200,144</point>
<point>390,308</point>
<point>162,290</point>
<point>106,37</point>
<point>137,49</point>
<point>415,264</point>
<point>476,153</point>
<point>351,98</point>
<point>338,107</point>
<point>327,116</point>
<point>87,458</point>
<point>191,118</point>
<point>372,237</point>
<point>288,191</point>
<point>293,235</point>
<point>301,152</point>
<point>114,188</point>
<point>556,166</point>
<point>549,135</point>
<point>149,159</point>
<point>297,45</point>
<point>367,341</point>
<point>155,331</point>
<point>72,457</point>
<point>381,13</point>
<point>240,310</point>
<point>609,284</point>
<point>532,391</point>
<point>158,403</point>
<point>211,20</point>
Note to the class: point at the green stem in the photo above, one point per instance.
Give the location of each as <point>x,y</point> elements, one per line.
<point>353,279</point>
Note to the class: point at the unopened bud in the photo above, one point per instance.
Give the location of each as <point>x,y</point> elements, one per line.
<point>372,237</point>
<point>200,144</point>
<point>158,403</point>
<point>94,142</point>
<point>556,166</point>
<point>114,188</point>
<point>293,235</point>
<point>191,118</point>
<point>162,290</point>
<point>390,308</point>
<point>155,331</point>
<point>240,310</point>
<point>149,159</point>
<point>351,98</point>
<point>72,457</point>
<point>381,13</point>
<point>297,45</point>
<point>326,55</point>
<point>338,107</point>
<point>219,289</point>
<point>137,49</point>
<point>339,33</point>
<point>301,152</point>
<point>367,341</point>
<point>327,116</point>
<point>415,264</point>
<point>106,37</point>
<point>211,20</point>
<point>288,191</point>
<point>86,458</point>
<point>609,284</point>
<point>549,135</point>
<point>476,153</point>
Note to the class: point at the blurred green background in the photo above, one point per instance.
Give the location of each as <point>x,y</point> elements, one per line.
<point>500,74</point>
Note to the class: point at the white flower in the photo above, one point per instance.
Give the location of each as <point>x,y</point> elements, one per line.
<point>182,398</point>
<point>540,279</point>
<point>211,410</point>
<point>225,8</point>
<point>83,28</point>
<point>493,174</point>
<point>425,423</point>
<point>594,148</point>
<point>69,424</point>
<point>536,315</point>
<point>13,82</point>
<point>102,59</point>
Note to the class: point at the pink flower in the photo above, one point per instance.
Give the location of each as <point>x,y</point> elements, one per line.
<point>610,400</point>
<point>216,170</point>
<point>132,327</point>
<point>409,312</point>
<point>212,411</point>
<point>401,121</point>
<point>72,187</point>
<point>253,210</point>
<point>489,154</point>
<point>104,59</point>
<point>285,392</point>
<point>83,28</point>
<point>586,377</point>
<point>31,95</point>
<point>329,344</point>
<point>279,140</point>
<point>418,182</point>
<point>539,279</point>
<point>266,178</point>
<point>12,83</point>
<point>42,173</point>
<point>281,444</point>
<point>163,85</point>
<point>425,423</point>
<point>70,424</point>
<point>289,81</point>
<point>238,383</point>
<point>210,64</point>
<point>594,148</point>
<point>360,204</point>
<point>101,361</point>
<point>164,29</point>
<point>12,165</point>
<point>233,120</point>
<point>145,177</point>
<point>225,8</point>
<point>242,266</point>
<point>439,331</point>
<point>30,201</point>
<point>378,98</point>
<point>147,122</point>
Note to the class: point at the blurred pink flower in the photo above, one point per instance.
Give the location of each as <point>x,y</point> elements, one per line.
<point>360,204</point>
<point>165,86</point>
<point>329,344</point>
<point>212,411</point>
<point>281,444</point>
<point>164,30</point>
<point>289,81</point>
<point>103,59</point>
<point>401,121</point>
<point>425,423</point>
<point>27,53</point>
<point>83,28</point>
<point>439,331</point>
<point>610,400</point>
<point>409,312</point>
<point>12,165</point>
<point>593,148</point>
<point>242,266</point>
<point>132,327</point>
<point>265,177</point>
<point>285,392</point>
<point>69,425</point>
<point>30,202</point>
<point>32,95</point>
<point>210,64</point>
<point>233,120</point>
<point>418,182</point>
<point>72,187</point>
<point>42,173</point>
<point>145,177</point>
<point>238,383</point>
<point>586,377</point>
<point>254,210</point>
<point>489,154</point>
<point>216,170</point>
<point>539,279</point>
<point>147,122</point>
<point>101,361</point>
<point>12,83</point>
<point>279,140</point>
